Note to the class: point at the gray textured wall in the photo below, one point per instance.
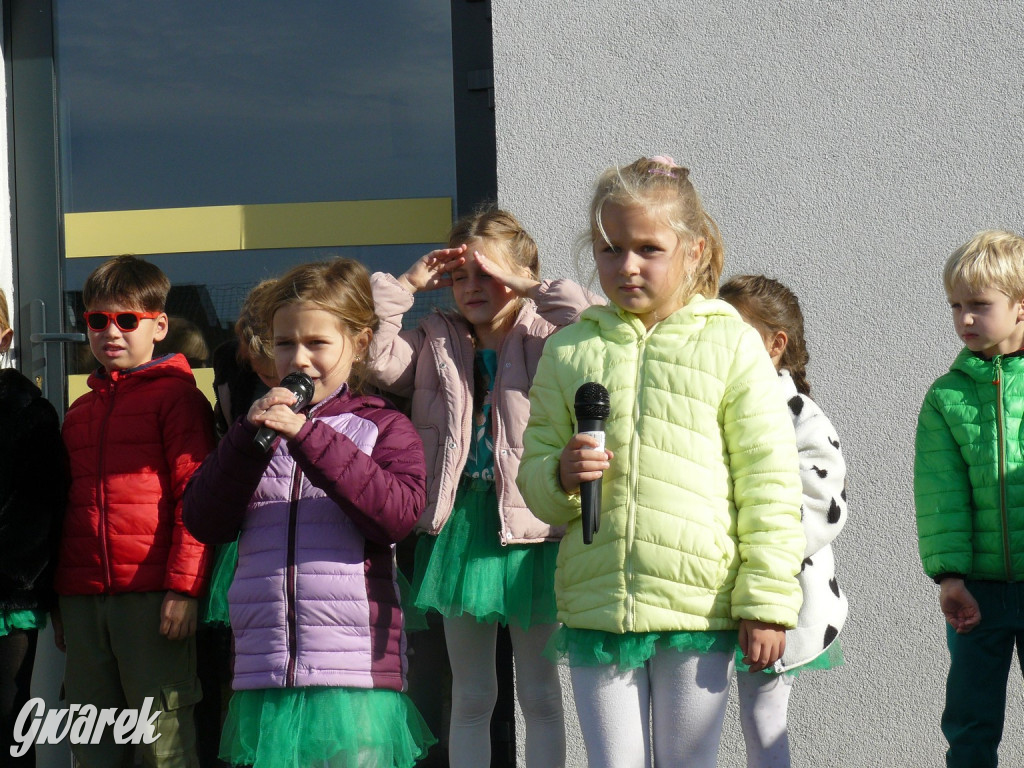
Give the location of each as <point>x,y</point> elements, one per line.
<point>845,149</point>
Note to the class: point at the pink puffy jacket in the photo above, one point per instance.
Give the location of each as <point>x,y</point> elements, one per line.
<point>433,366</point>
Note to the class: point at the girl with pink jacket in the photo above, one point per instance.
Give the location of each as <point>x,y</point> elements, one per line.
<point>485,559</point>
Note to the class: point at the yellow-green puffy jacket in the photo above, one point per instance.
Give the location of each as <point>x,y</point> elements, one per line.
<point>700,519</point>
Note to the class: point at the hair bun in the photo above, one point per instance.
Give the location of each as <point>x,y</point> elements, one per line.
<point>663,165</point>
<point>664,160</point>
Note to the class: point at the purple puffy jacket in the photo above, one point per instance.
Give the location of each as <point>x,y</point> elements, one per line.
<point>314,600</point>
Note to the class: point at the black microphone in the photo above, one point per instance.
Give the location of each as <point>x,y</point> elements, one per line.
<point>300,385</point>
<point>592,408</point>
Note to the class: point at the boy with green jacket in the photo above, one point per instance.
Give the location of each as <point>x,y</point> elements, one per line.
<point>969,491</point>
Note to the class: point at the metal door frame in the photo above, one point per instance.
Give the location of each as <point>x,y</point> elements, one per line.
<point>37,231</point>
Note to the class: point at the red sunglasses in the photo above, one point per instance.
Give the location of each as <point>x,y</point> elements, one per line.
<point>126,320</point>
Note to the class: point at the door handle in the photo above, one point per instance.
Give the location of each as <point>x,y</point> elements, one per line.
<point>40,339</point>
<point>62,338</point>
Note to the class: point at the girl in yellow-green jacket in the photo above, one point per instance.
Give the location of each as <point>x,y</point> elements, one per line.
<point>699,541</point>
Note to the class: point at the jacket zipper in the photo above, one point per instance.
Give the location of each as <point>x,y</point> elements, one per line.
<point>102,496</point>
<point>290,575</point>
<point>634,481</point>
<point>1003,517</point>
<point>495,434</point>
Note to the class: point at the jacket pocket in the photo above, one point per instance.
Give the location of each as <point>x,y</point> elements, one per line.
<point>174,696</point>
<point>176,722</point>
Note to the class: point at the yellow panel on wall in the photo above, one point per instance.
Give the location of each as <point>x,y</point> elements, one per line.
<point>78,384</point>
<point>242,227</point>
<point>159,230</point>
<point>355,222</point>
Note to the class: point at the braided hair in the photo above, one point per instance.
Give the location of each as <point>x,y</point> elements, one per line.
<point>771,307</point>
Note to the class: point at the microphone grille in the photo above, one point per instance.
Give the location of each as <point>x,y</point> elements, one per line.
<point>299,383</point>
<point>592,401</point>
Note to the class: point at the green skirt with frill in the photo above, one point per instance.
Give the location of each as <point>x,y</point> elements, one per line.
<point>830,658</point>
<point>631,650</point>
<point>26,620</point>
<point>465,570</point>
<point>213,610</point>
<point>335,727</point>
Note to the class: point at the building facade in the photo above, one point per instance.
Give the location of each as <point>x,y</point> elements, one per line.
<point>844,149</point>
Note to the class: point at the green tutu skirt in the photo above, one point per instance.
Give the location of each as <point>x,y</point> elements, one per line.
<point>830,658</point>
<point>415,619</point>
<point>213,611</point>
<point>592,647</point>
<point>25,620</point>
<point>466,570</point>
<point>316,727</point>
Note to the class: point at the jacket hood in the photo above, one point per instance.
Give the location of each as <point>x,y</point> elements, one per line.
<point>173,364</point>
<point>17,389</point>
<point>786,384</point>
<point>980,369</point>
<point>345,400</point>
<point>619,325</point>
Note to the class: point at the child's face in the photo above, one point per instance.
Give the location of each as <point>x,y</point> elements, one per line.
<point>313,341</point>
<point>644,265</point>
<point>988,321</point>
<point>481,299</point>
<point>118,350</point>
<point>266,370</point>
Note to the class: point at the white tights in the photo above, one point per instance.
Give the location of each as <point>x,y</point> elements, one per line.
<point>764,700</point>
<point>685,693</point>
<point>471,648</point>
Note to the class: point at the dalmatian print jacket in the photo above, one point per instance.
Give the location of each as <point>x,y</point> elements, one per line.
<point>823,473</point>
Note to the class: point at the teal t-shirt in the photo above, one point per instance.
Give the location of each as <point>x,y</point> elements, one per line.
<point>480,463</point>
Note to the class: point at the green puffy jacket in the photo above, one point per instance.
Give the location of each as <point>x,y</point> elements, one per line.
<point>969,470</point>
<point>700,521</point>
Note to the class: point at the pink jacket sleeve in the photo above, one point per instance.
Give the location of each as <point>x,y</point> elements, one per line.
<point>391,360</point>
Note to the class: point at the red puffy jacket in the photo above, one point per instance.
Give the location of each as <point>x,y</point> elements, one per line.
<point>133,442</point>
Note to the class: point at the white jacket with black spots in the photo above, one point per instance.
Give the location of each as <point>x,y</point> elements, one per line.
<point>823,474</point>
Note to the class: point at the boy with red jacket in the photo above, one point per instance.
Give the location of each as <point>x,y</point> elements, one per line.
<point>129,573</point>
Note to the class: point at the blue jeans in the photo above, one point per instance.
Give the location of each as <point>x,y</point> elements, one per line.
<point>979,664</point>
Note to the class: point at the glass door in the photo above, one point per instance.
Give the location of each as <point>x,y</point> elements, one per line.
<point>228,141</point>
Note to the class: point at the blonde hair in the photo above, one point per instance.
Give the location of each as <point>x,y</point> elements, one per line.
<point>991,259</point>
<point>341,288</point>
<point>660,185</point>
<point>5,313</point>
<point>490,223</point>
<point>251,327</point>
<point>185,337</point>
